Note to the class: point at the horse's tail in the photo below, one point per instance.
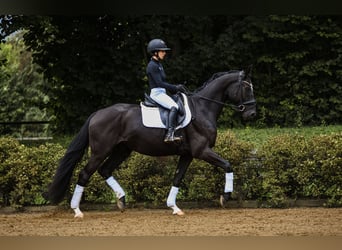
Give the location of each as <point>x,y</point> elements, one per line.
<point>60,183</point>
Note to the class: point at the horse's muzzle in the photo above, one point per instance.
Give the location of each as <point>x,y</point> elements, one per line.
<point>249,114</point>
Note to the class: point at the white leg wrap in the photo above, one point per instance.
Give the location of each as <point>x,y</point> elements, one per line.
<point>76,198</point>
<point>75,201</point>
<point>119,192</point>
<point>171,199</point>
<point>229,183</point>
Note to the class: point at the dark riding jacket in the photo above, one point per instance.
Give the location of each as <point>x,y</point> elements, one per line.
<point>156,76</point>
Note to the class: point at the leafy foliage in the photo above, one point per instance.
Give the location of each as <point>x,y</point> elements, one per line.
<point>26,171</point>
<point>281,156</point>
<point>8,148</point>
<point>21,96</point>
<point>299,69</point>
<point>92,62</point>
<point>295,167</point>
<point>287,166</point>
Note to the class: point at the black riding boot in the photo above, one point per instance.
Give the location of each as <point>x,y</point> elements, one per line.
<point>170,135</point>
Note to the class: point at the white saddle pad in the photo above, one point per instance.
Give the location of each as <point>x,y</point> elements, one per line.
<point>151,117</point>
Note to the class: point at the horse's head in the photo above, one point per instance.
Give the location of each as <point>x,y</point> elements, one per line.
<point>232,86</point>
<point>241,94</point>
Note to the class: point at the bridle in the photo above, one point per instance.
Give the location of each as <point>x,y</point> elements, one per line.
<point>241,106</point>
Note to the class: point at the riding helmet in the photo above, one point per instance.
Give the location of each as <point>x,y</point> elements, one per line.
<point>156,45</point>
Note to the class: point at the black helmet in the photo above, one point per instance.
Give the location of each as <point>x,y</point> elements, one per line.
<point>156,45</point>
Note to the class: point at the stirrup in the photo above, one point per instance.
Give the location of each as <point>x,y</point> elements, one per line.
<point>177,138</point>
<point>170,137</point>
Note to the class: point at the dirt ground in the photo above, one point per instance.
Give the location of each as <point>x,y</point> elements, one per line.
<point>161,222</point>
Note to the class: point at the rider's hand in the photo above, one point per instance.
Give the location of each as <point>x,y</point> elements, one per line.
<point>181,88</point>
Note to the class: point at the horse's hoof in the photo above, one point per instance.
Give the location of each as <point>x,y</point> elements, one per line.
<point>222,201</point>
<point>79,216</point>
<point>78,213</point>
<point>179,212</point>
<point>121,203</point>
<point>176,210</point>
<point>224,198</point>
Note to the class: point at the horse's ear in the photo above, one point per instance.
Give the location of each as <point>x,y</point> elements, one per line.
<point>249,71</point>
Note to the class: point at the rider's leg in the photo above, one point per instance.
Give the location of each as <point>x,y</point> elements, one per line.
<point>160,96</point>
<point>170,135</point>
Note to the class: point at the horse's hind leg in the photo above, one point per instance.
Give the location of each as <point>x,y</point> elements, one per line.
<point>83,179</point>
<point>118,155</point>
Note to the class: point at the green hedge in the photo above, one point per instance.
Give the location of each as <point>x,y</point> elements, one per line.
<point>284,167</point>
<point>295,167</point>
<point>25,171</point>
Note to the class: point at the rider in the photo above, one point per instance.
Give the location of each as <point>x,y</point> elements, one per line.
<point>158,85</point>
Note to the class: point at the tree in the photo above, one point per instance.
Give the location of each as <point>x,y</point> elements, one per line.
<point>92,62</point>
<point>20,85</point>
<point>82,58</point>
<point>299,68</point>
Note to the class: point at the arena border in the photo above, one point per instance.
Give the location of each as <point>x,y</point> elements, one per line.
<point>291,203</point>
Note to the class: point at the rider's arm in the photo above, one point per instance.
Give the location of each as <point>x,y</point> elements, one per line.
<point>157,79</point>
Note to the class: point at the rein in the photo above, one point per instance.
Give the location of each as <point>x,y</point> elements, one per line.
<point>236,107</point>
<point>241,107</point>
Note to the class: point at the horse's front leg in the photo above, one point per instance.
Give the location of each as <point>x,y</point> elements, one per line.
<point>183,164</point>
<point>211,157</point>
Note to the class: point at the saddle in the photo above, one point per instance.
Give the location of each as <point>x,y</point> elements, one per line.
<point>155,115</point>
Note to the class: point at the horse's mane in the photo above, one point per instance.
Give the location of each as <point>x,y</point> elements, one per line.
<point>214,76</point>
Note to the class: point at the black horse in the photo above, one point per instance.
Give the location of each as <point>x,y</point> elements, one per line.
<point>114,132</point>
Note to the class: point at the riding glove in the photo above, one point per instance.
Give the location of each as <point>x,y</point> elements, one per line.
<point>181,88</point>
